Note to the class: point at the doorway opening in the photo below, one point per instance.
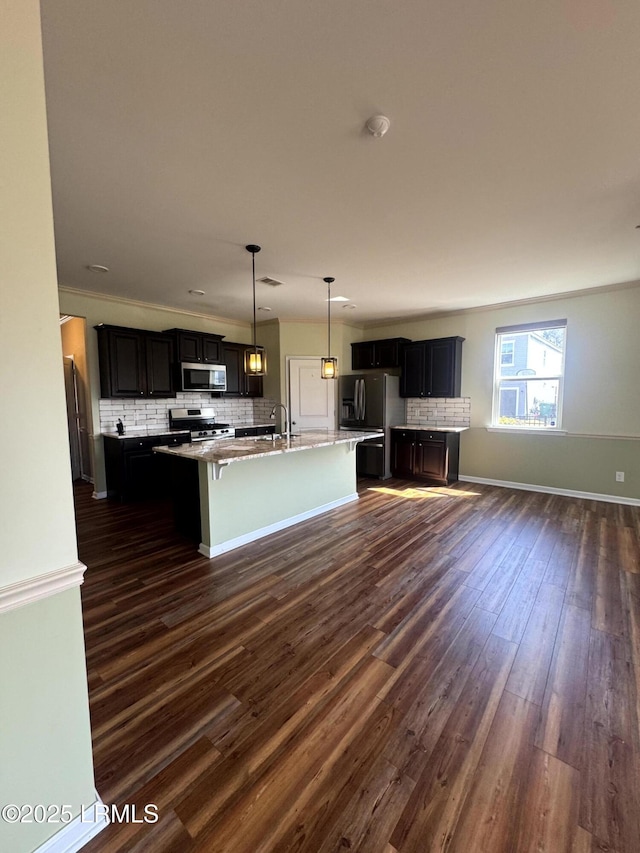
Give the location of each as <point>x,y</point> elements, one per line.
<point>76,386</point>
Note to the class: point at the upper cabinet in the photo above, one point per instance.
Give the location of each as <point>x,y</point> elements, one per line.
<point>197,347</point>
<point>432,368</point>
<point>377,354</point>
<point>238,383</point>
<point>135,362</point>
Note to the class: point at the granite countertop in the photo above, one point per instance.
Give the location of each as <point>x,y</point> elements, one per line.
<point>226,451</point>
<point>146,432</point>
<point>427,428</point>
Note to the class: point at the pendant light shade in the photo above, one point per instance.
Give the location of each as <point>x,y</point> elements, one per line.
<point>255,357</point>
<point>329,368</point>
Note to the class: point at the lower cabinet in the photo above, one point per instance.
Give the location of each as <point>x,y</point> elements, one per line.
<point>425,455</point>
<point>247,432</point>
<point>133,470</point>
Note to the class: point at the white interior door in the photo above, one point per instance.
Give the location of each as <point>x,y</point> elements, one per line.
<point>312,399</point>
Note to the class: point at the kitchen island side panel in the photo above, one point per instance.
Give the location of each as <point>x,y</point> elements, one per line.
<point>270,490</point>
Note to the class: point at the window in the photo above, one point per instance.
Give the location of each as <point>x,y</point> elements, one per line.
<point>506,352</point>
<point>528,376</point>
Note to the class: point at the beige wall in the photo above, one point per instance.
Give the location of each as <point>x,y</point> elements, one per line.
<point>35,486</point>
<point>45,749</point>
<point>45,738</point>
<point>600,399</point>
<point>300,338</point>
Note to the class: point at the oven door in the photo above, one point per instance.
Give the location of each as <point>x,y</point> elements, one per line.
<point>203,377</point>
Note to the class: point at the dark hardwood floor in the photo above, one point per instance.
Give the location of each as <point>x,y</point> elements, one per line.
<point>423,670</point>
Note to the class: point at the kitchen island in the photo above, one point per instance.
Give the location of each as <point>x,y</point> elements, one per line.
<point>251,487</point>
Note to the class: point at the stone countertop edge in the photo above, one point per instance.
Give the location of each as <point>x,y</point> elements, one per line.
<point>426,428</point>
<point>241,449</point>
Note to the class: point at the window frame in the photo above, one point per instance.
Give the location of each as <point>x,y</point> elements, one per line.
<point>502,382</point>
<point>513,353</point>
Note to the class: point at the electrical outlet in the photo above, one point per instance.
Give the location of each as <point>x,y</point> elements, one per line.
<point>619,476</point>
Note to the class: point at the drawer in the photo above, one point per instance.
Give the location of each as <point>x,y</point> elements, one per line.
<point>423,435</point>
<point>147,443</point>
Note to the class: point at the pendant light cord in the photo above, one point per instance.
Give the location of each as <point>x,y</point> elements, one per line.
<point>329,319</point>
<point>253,264</point>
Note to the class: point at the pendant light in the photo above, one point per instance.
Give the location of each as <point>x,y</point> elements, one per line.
<point>329,369</point>
<point>255,357</point>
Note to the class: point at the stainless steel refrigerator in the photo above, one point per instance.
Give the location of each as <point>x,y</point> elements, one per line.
<point>371,401</point>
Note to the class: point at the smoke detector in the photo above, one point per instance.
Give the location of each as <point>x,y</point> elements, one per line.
<point>378,126</point>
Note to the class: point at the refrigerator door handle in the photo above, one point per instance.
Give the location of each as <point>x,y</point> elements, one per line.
<point>356,398</point>
<point>361,399</point>
<point>364,400</point>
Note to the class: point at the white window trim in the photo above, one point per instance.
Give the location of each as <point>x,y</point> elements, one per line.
<point>497,380</point>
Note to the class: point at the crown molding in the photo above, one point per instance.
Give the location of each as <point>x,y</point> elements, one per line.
<point>108,297</point>
<point>364,324</point>
<point>497,306</point>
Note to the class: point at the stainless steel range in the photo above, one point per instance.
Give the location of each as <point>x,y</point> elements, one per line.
<point>201,423</point>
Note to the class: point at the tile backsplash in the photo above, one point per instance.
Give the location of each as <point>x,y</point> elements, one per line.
<point>154,414</point>
<point>439,411</point>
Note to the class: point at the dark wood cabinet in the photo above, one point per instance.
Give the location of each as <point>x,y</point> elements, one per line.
<point>133,470</point>
<point>238,383</point>
<point>160,365</point>
<point>135,363</point>
<point>425,455</point>
<point>403,452</point>
<point>432,368</point>
<point>377,354</point>
<point>196,347</point>
<point>246,432</point>
<point>431,457</point>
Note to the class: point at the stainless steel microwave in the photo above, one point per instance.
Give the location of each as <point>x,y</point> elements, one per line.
<point>203,377</point>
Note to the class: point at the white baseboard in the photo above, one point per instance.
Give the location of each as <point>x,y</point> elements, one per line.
<point>238,541</point>
<point>550,490</point>
<point>31,589</point>
<point>98,496</point>
<point>73,836</point>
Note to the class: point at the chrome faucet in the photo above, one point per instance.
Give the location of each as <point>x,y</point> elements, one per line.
<point>287,425</point>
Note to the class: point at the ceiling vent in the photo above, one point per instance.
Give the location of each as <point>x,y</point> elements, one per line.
<point>272,282</point>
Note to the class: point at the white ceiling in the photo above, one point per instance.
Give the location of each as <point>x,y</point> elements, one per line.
<point>181,130</point>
